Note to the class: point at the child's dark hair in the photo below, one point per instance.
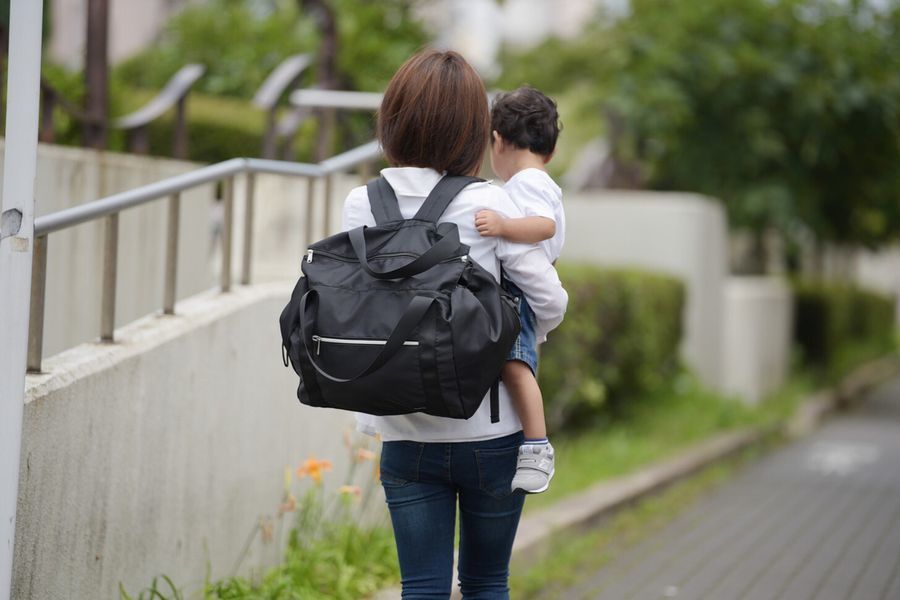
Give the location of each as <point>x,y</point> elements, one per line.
<point>526,118</point>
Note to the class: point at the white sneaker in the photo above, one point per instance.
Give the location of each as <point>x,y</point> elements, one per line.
<point>534,468</point>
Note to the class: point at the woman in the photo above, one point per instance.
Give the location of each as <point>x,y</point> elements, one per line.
<point>433,120</point>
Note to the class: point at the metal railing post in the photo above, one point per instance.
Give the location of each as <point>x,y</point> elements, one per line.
<point>110,260</point>
<point>329,186</point>
<point>139,141</point>
<point>172,254</point>
<point>180,140</point>
<point>248,228</point>
<point>365,172</point>
<point>310,208</point>
<point>38,293</point>
<point>228,200</point>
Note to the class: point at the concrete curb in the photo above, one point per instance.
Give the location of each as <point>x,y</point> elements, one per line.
<point>846,393</point>
<point>604,499</point>
<point>599,501</point>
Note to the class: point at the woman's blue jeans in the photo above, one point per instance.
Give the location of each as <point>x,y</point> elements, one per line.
<point>422,483</point>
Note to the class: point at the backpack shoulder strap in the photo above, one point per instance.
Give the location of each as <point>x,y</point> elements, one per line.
<point>383,201</point>
<point>441,196</point>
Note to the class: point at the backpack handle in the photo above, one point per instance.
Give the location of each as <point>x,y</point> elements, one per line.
<point>443,250</point>
<point>405,326</point>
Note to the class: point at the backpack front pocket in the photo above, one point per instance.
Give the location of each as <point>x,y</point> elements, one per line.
<point>394,389</point>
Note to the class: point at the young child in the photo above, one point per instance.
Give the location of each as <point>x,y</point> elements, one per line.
<point>524,128</point>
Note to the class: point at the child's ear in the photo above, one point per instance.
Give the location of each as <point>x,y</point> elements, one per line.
<point>495,137</point>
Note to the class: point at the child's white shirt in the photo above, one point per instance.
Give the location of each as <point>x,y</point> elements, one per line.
<point>537,195</point>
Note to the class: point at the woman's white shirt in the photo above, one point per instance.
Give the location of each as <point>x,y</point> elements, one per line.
<point>525,264</point>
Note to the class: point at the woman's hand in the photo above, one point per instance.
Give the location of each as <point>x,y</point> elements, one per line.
<point>489,224</point>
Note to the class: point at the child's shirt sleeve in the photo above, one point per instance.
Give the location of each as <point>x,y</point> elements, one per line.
<point>532,190</point>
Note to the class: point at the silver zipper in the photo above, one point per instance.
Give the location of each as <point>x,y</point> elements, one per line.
<point>318,339</point>
<point>309,256</point>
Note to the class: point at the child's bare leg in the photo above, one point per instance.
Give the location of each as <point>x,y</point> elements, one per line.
<point>526,398</point>
<point>534,465</point>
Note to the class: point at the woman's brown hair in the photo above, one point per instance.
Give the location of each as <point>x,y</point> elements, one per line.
<point>435,114</point>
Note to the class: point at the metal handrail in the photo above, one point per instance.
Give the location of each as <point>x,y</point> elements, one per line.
<point>280,79</point>
<point>108,205</point>
<point>175,89</point>
<point>109,208</point>
<point>286,75</point>
<point>313,98</point>
<point>173,94</point>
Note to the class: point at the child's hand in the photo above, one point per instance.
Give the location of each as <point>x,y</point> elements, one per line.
<point>489,224</point>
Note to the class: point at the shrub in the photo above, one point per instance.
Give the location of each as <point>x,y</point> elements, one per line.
<point>834,319</point>
<point>619,342</point>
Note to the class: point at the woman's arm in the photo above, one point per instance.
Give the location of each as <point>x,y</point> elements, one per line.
<point>525,230</point>
<point>528,267</point>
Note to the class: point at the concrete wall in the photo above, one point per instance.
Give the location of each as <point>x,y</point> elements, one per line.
<point>69,177</point>
<point>757,336</point>
<point>160,453</point>
<point>680,234</point>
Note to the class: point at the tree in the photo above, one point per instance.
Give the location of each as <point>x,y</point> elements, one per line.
<point>96,74</point>
<point>788,110</point>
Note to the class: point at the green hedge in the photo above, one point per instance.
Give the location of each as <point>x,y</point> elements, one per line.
<point>218,128</point>
<point>833,319</point>
<point>619,342</point>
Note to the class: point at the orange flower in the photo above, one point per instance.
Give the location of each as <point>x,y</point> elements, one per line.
<point>364,454</point>
<point>314,468</point>
<point>350,490</point>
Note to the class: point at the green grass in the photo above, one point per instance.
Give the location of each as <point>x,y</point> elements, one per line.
<point>567,558</point>
<point>653,429</point>
<point>345,564</point>
<point>852,355</point>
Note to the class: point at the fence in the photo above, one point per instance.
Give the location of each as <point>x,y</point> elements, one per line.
<point>223,173</point>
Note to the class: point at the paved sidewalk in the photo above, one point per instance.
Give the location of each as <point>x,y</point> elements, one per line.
<point>817,520</point>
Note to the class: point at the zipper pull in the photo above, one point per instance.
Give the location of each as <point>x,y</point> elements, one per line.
<point>464,257</point>
<point>318,341</point>
<point>309,254</point>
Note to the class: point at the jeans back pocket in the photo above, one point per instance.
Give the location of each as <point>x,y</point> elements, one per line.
<point>496,469</point>
<point>400,462</point>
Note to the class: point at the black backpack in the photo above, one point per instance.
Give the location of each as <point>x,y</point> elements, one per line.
<point>396,318</point>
